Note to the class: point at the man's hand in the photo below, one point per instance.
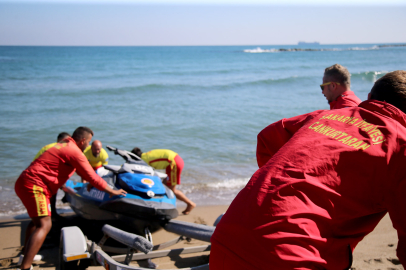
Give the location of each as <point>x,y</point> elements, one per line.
<point>89,187</point>
<point>113,192</point>
<point>117,192</point>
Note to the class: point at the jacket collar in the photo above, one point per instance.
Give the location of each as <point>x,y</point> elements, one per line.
<point>386,109</point>
<point>69,139</point>
<point>344,94</point>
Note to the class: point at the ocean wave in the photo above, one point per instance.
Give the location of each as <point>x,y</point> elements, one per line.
<point>217,192</point>
<point>13,213</point>
<point>22,214</point>
<point>363,49</point>
<point>6,58</point>
<point>370,76</point>
<point>114,90</point>
<point>218,85</point>
<point>271,81</point>
<point>259,50</point>
<point>375,47</point>
<point>238,183</point>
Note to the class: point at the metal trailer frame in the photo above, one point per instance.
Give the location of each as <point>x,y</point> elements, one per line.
<point>74,246</point>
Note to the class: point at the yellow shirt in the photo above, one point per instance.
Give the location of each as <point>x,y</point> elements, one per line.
<point>96,162</point>
<point>43,149</point>
<point>159,158</point>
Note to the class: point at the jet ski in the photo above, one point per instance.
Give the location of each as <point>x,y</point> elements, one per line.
<point>148,201</point>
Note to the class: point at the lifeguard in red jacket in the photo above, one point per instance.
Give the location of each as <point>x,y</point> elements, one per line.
<point>336,88</point>
<point>325,180</point>
<point>45,176</point>
<point>61,137</point>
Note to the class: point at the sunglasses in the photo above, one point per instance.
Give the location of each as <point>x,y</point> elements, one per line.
<point>327,83</point>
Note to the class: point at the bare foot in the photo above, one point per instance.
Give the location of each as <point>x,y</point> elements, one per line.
<point>189,208</point>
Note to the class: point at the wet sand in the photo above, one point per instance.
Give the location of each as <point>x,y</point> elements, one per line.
<point>376,251</point>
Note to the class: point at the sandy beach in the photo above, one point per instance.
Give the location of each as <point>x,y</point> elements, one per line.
<point>12,231</point>
<point>376,251</point>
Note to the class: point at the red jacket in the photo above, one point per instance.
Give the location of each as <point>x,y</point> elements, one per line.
<point>346,99</point>
<point>325,180</point>
<point>56,165</point>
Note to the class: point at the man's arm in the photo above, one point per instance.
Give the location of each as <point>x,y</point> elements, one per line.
<point>86,171</point>
<point>274,136</point>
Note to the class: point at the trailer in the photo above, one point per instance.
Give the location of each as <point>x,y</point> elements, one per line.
<point>77,252</point>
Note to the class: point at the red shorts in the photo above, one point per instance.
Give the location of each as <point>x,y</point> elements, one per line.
<point>174,174</point>
<point>34,198</point>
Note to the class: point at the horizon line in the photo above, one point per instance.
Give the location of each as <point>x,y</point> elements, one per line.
<point>296,44</point>
<point>370,3</point>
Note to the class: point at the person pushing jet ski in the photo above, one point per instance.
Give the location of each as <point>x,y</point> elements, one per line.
<point>61,137</point>
<point>173,164</point>
<point>45,176</point>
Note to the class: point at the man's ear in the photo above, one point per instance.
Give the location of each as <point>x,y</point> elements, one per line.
<point>82,141</point>
<point>369,95</point>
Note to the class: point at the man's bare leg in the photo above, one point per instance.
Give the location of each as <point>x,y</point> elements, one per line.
<point>36,239</point>
<point>30,229</point>
<point>179,195</point>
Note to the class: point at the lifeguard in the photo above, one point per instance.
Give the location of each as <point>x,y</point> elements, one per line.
<point>164,159</point>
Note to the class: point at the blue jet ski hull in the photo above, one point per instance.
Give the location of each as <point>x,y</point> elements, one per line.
<point>96,205</point>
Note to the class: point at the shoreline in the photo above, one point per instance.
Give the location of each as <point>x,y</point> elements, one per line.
<point>376,251</point>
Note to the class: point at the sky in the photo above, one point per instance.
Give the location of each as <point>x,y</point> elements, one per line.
<point>200,22</point>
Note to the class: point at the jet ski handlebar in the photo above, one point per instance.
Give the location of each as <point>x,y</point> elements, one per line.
<point>123,153</point>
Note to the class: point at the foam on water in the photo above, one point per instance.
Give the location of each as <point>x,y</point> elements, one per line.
<point>370,76</point>
<point>218,192</point>
<point>274,50</point>
<point>259,50</point>
<point>230,184</point>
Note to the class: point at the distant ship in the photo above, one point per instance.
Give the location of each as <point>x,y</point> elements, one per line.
<point>308,43</point>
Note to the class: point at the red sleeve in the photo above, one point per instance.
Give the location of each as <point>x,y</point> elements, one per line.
<point>274,136</point>
<point>86,171</point>
<point>347,100</point>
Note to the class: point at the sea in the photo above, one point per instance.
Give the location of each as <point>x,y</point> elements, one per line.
<point>206,103</point>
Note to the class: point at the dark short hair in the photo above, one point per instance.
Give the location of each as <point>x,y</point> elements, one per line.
<point>62,136</point>
<point>81,132</point>
<point>137,151</point>
<point>391,88</point>
<point>338,73</point>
